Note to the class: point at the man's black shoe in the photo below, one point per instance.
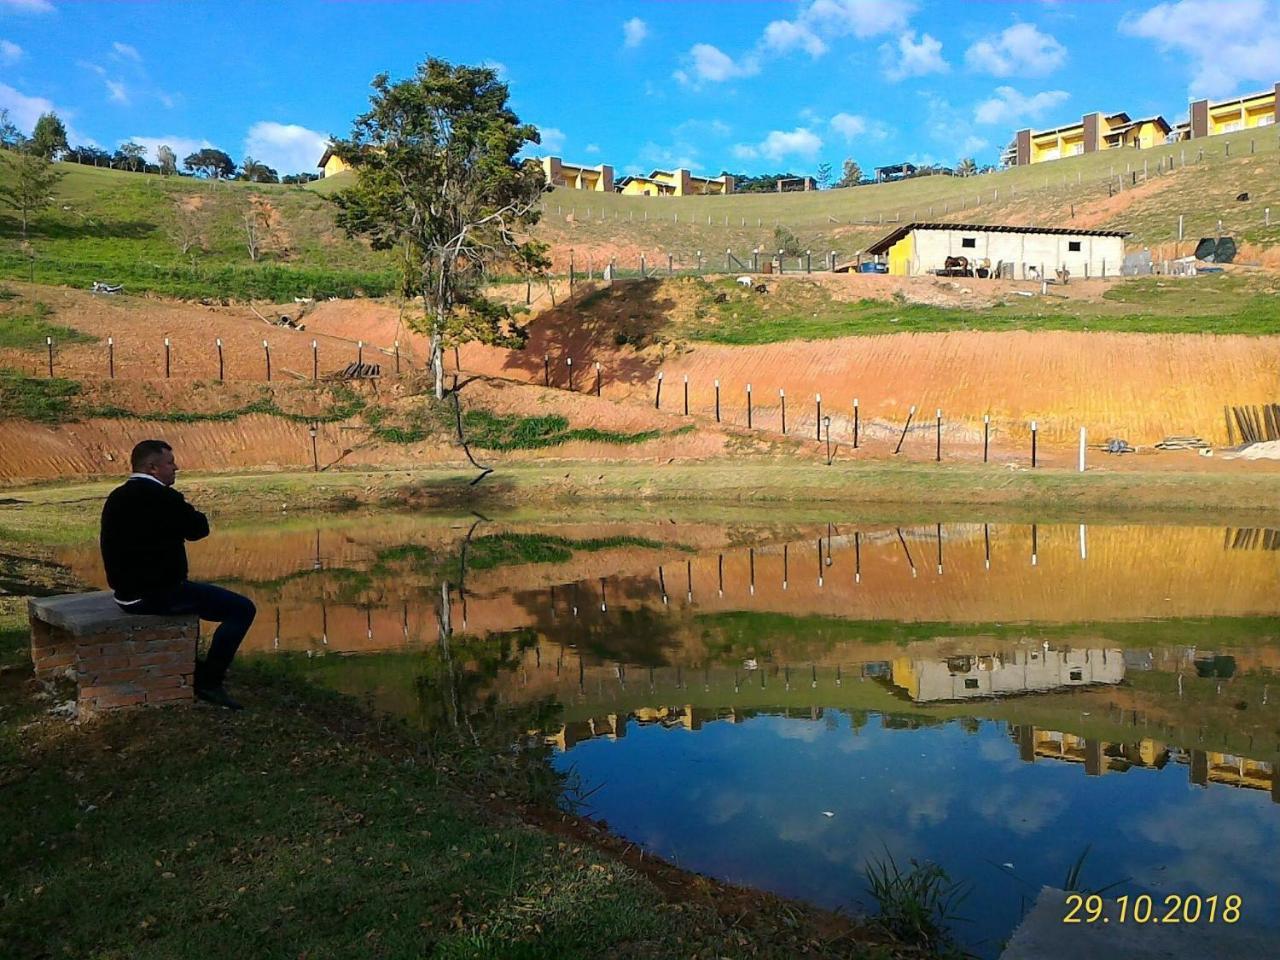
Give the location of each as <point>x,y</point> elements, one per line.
<point>218,696</point>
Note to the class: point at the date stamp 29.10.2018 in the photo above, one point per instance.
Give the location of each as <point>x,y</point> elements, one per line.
<point>1144,908</point>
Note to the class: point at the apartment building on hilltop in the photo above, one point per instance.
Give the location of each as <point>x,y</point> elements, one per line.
<point>1093,132</point>
<point>1210,118</point>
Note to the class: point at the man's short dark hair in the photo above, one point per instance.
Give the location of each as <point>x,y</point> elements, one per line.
<point>145,453</point>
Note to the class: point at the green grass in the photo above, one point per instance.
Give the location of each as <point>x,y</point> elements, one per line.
<point>27,329</point>
<point>51,400</point>
<point>491,431</point>
<point>807,311</point>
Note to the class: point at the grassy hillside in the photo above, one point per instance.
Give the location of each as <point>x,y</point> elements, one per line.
<point>125,227</point>
<point>1097,190</point>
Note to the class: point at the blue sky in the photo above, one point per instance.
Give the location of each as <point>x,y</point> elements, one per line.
<point>752,85</point>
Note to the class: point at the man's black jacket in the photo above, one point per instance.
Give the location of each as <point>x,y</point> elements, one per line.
<point>144,526</point>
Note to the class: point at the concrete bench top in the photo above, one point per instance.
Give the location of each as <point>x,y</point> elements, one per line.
<point>86,614</point>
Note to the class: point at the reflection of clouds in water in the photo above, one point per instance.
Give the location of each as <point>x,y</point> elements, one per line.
<point>928,808</point>
<point>1187,851</point>
<point>723,805</point>
<point>1001,751</point>
<point>804,730</point>
<point>1024,811</point>
<point>852,744</point>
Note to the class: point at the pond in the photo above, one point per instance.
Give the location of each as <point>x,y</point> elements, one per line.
<point>781,704</point>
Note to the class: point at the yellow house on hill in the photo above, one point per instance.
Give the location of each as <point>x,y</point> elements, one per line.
<point>330,163</point>
<point>675,183</point>
<point>575,176</point>
<point>1094,132</point>
<point>1239,113</point>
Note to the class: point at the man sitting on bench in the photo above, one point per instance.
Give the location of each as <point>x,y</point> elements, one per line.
<point>145,524</point>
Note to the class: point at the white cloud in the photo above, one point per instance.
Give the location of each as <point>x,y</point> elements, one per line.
<point>849,125</point>
<point>1010,106</point>
<point>701,129</point>
<point>116,91</point>
<point>552,141</point>
<point>655,156</point>
<point>95,68</point>
<point>911,58</point>
<point>634,32</point>
<point>592,148</point>
<point>1225,44</point>
<point>169,100</point>
<point>783,36</point>
<point>1020,49</point>
<point>712,65</point>
<point>24,111</point>
<point>181,146</point>
<point>859,18</point>
<point>126,51</point>
<point>286,147</point>
<point>973,145</point>
<point>28,6</point>
<point>800,142</point>
<point>9,52</point>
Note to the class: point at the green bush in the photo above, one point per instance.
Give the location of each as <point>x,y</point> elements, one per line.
<point>44,400</point>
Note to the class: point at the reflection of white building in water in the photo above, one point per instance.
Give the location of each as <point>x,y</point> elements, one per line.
<point>1002,675</point>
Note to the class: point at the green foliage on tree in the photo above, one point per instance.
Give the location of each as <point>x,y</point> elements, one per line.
<point>49,138</point>
<point>167,160</point>
<point>29,180</point>
<point>10,136</point>
<point>210,162</point>
<point>255,171</point>
<point>966,167</point>
<point>131,155</point>
<point>824,175</point>
<point>762,183</point>
<point>786,242</point>
<point>852,174</point>
<point>438,181</point>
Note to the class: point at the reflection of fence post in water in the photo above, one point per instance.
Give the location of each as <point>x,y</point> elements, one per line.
<point>324,623</point>
<point>986,542</point>
<point>939,549</point>
<point>404,618</point>
<point>604,599</point>
<point>368,623</point>
<point>820,570</point>
<point>720,567</point>
<point>1084,549</point>
<point>688,580</point>
<point>857,557</point>
<point>751,554</point>
<point>1035,538</point>
<point>575,599</point>
<point>662,585</point>
<point>276,642</point>
<point>903,540</point>
<point>785,548</point>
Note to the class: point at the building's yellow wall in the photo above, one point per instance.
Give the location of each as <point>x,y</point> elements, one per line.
<point>1253,112</point>
<point>1146,135</point>
<point>640,188</point>
<point>903,673</point>
<point>1062,143</point>
<point>335,165</point>
<point>901,255</point>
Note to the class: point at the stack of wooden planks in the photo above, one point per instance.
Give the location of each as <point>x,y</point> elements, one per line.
<point>1252,424</point>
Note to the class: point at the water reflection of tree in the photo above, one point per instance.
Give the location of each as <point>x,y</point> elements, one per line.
<point>640,636</point>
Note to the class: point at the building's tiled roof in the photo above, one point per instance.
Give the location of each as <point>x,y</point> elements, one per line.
<point>882,245</point>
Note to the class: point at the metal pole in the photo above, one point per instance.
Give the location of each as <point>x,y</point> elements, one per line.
<point>266,352</point>
<point>986,435</point>
<point>218,341</point>
<point>938,455</point>
<point>569,363</point>
<point>748,406</point>
<point>686,394</point>
<point>782,399</point>
<point>597,378</point>
<point>855,423</point>
<point>1033,443</point>
<point>49,343</point>
<point>315,457</point>
<point>906,426</point>
<point>818,399</point>
<point>111,357</point>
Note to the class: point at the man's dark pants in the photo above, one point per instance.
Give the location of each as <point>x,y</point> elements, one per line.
<point>232,612</point>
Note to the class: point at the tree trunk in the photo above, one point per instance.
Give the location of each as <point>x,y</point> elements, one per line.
<point>437,352</point>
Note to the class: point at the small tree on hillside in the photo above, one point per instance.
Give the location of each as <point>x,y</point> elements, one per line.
<point>28,185</point>
<point>10,136</point>
<point>852,175</point>
<point>187,229</point>
<point>168,161</point>
<point>210,162</point>
<point>437,179</point>
<point>49,138</point>
<point>131,155</point>
<point>966,167</point>
<point>824,175</point>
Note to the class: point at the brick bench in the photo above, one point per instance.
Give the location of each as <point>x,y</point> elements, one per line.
<point>118,659</point>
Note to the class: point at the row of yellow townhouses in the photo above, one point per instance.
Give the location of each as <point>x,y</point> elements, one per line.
<point>576,176</point>
<point>1106,131</point>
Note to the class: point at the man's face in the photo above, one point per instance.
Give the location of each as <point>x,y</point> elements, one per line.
<point>164,468</point>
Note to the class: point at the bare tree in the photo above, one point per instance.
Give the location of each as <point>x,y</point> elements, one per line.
<point>187,229</point>
<point>168,161</point>
<point>254,224</point>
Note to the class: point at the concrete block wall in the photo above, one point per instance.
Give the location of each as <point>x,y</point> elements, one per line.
<point>128,666</point>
